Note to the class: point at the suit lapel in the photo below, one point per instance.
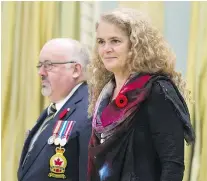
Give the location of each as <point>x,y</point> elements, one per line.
<point>28,140</point>
<point>39,145</point>
<point>31,134</point>
<point>72,109</point>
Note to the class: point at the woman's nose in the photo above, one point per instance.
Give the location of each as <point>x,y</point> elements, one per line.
<point>107,47</point>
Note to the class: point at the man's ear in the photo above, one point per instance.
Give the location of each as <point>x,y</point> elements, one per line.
<point>77,71</point>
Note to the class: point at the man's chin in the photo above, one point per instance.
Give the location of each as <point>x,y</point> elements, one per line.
<point>46,92</point>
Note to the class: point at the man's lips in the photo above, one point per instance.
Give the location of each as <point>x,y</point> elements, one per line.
<point>45,82</point>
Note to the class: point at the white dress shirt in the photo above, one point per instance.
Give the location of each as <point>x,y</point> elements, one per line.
<point>60,104</point>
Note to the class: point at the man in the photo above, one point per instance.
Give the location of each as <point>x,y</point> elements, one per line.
<point>57,146</point>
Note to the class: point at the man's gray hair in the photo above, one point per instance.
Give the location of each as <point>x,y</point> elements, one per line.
<point>79,54</point>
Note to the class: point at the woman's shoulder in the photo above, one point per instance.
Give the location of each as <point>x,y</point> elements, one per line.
<point>164,86</point>
<point>164,91</point>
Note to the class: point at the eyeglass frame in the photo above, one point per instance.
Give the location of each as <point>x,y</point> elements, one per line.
<point>50,64</point>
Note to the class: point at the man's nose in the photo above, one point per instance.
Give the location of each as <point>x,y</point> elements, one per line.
<point>42,71</point>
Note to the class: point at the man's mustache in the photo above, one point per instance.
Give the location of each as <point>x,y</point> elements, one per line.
<point>43,78</point>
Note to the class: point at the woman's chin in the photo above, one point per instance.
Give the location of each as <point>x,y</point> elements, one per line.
<point>111,68</point>
<point>115,70</point>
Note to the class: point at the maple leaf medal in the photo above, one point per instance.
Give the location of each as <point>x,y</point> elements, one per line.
<point>58,164</point>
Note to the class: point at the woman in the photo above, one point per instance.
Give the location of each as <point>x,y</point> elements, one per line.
<point>140,117</point>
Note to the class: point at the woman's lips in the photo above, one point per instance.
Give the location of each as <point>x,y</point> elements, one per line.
<point>109,58</point>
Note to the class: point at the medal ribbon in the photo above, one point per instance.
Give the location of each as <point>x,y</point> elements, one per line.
<point>68,129</point>
<point>57,127</point>
<point>63,127</point>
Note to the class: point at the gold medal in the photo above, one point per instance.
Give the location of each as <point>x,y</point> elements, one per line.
<point>58,164</point>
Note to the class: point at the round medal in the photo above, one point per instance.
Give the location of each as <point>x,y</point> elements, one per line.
<point>57,141</point>
<point>63,142</point>
<point>51,140</point>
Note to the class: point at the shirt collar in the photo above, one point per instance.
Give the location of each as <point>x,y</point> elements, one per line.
<point>60,104</point>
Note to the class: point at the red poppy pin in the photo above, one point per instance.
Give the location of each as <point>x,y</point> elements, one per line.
<point>63,113</point>
<point>121,101</point>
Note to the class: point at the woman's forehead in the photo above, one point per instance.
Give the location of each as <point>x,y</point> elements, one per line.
<point>108,30</point>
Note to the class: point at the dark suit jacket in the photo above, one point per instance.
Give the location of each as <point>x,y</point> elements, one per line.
<point>37,164</point>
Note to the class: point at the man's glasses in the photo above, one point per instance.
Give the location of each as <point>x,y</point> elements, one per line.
<point>48,65</point>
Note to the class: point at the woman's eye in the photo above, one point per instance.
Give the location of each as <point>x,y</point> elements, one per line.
<point>100,42</point>
<point>115,41</point>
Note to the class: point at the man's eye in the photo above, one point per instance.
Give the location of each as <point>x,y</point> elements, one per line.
<point>48,64</point>
<point>39,65</point>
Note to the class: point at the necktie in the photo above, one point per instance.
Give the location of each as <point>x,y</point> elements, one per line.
<point>51,114</point>
<point>52,111</point>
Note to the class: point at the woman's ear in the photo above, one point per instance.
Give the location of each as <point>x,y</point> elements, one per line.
<point>130,55</point>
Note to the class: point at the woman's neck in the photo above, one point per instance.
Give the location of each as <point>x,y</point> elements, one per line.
<point>120,80</point>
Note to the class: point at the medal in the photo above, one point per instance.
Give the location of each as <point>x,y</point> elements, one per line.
<point>65,131</point>
<point>54,132</point>
<point>61,132</point>
<point>58,164</point>
<point>51,140</point>
<point>63,142</point>
<point>57,141</point>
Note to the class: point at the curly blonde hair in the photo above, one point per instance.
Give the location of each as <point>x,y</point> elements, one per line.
<point>149,53</point>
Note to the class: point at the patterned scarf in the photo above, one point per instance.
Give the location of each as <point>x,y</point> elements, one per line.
<point>108,115</point>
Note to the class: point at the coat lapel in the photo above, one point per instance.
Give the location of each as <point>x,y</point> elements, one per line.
<point>31,134</point>
<point>38,146</point>
<point>69,113</point>
<point>28,140</point>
